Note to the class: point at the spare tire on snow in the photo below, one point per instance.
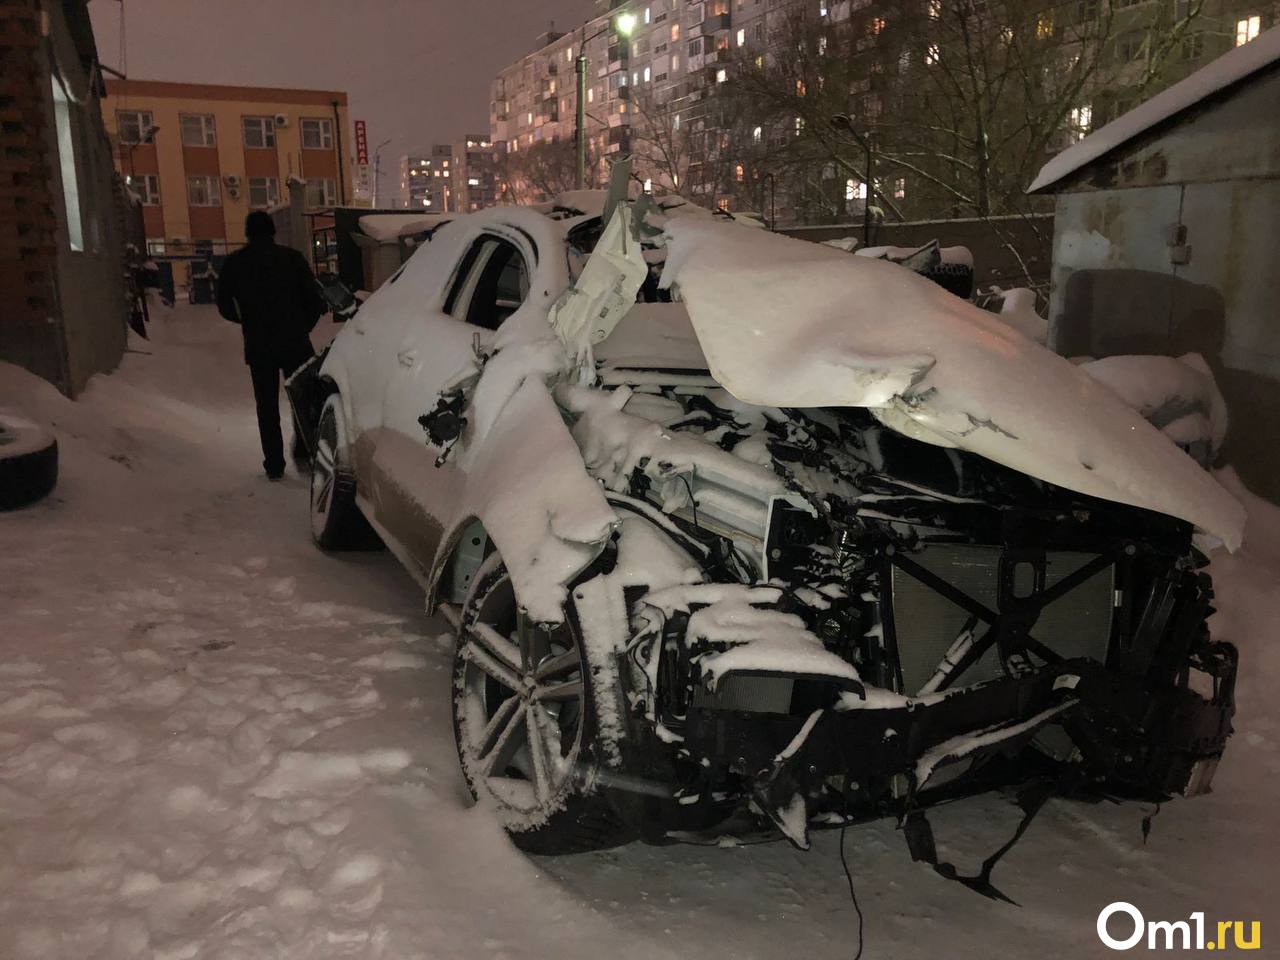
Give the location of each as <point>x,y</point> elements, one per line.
<point>28,461</point>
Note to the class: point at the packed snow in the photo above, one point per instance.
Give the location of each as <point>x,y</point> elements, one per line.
<point>217,742</point>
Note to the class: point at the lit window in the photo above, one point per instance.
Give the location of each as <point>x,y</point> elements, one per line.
<point>822,46</point>
<point>204,191</point>
<point>648,185</point>
<point>317,134</point>
<point>1044,26</point>
<point>739,173</point>
<point>742,38</point>
<point>935,9</point>
<point>67,164</point>
<point>723,204</point>
<point>1081,120</point>
<point>900,189</point>
<point>675,32</point>
<point>635,77</point>
<point>263,192</point>
<point>675,62</point>
<point>197,130</point>
<point>647,15</point>
<point>822,8</point>
<point>855,190</point>
<point>799,125</point>
<point>646,74</point>
<point>931,54</point>
<point>800,88</point>
<point>591,95</point>
<point>757,135</point>
<point>722,75</point>
<point>878,25</point>
<point>473,181</point>
<point>132,125</point>
<point>1247,29</point>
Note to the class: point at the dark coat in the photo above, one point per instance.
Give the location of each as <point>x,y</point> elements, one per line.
<point>271,292</point>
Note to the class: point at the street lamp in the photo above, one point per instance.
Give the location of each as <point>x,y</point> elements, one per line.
<point>843,121</point>
<point>377,166</point>
<point>623,24</point>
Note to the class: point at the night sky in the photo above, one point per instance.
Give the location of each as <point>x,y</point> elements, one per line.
<point>417,71</point>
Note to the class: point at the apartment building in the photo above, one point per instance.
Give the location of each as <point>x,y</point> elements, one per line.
<point>478,179</point>
<point>669,90</point>
<point>426,180</point>
<point>202,156</point>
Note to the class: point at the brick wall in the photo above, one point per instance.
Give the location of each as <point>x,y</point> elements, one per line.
<point>29,333</point>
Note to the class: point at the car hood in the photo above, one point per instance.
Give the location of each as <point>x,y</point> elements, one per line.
<point>787,323</point>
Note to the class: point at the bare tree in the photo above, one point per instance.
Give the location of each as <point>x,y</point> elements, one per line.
<point>962,100</point>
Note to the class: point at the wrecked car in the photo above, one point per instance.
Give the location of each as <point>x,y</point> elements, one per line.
<point>743,535</point>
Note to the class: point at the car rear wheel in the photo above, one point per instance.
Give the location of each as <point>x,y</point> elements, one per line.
<point>336,521</point>
<point>524,722</point>
<point>28,461</point>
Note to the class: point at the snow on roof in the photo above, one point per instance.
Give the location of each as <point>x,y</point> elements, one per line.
<point>1227,70</point>
<point>385,227</point>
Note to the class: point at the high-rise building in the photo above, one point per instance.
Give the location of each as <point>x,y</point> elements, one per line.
<point>426,180</point>
<point>202,156</point>
<point>477,173</point>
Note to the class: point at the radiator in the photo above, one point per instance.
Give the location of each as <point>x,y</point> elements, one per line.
<point>927,623</point>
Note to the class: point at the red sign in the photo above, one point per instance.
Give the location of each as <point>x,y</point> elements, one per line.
<point>362,143</point>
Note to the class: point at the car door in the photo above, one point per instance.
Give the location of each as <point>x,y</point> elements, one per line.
<point>413,495</point>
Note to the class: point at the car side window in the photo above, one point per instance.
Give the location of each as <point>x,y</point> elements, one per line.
<point>490,285</point>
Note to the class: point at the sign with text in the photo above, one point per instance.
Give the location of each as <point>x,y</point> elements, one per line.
<point>362,143</point>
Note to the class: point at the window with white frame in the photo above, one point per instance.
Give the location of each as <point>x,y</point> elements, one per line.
<point>204,191</point>
<point>317,134</point>
<point>900,189</point>
<point>147,187</point>
<point>1248,28</point>
<point>259,132</point>
<point>263,192</point>
<point>321,192</point>
<point>197,130</point>
<point>133,125</point>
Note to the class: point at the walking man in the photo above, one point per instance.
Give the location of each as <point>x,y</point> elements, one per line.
<point>271,292</point>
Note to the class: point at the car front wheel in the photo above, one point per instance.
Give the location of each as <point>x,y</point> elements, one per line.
<point>524,722</point>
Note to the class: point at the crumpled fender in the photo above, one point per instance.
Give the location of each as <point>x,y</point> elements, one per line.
<point>527,485</point>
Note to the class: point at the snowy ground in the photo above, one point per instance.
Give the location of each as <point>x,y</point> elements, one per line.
<point>217,742</point>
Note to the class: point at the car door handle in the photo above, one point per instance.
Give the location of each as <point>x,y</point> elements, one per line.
<point>407,358</point>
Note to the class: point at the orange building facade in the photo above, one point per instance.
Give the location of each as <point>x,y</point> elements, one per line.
<point>202,156</point>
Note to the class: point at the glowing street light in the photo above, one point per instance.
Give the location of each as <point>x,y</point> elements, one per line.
<point>625,23</point>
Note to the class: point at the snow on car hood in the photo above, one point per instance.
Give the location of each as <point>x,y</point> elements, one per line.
<point>788,323</point>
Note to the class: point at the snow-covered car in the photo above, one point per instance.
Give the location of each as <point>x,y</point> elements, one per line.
<point>744,534</point>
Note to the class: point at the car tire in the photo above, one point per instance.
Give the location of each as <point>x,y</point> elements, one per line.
<point>28,461</point>
<point>336,520</point>
<point>552,807</point>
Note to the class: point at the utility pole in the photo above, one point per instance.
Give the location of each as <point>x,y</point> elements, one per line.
<point>377,166</point>
<point>843,121</point>
<point>580,121</point>
<point>622,25</point>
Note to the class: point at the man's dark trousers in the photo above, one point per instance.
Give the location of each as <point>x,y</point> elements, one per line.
<point>266,393</point>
